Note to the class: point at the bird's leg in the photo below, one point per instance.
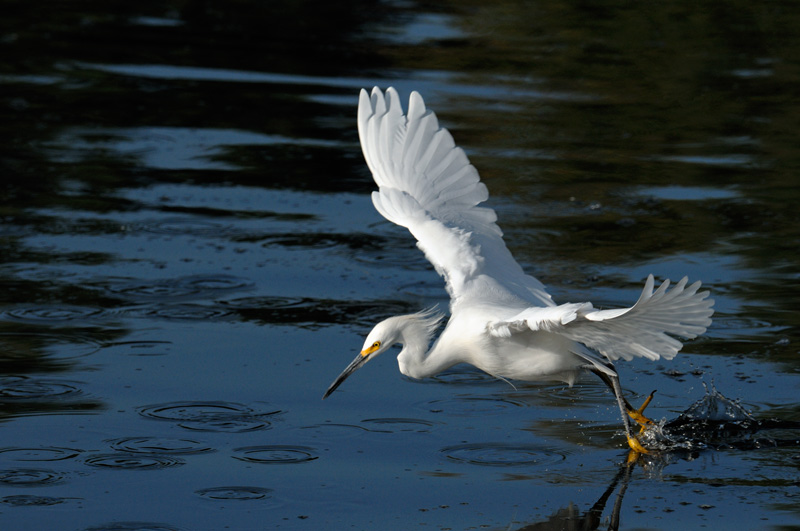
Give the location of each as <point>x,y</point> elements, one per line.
<point>626,409</point>
<point>636,414</point>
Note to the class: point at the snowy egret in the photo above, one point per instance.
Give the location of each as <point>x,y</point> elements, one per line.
<point>501,320</point>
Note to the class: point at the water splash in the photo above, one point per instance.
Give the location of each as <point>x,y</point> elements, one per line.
<point>715,422</point>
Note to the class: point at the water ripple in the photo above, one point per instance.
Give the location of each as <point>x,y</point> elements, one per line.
<point>275,454</point>
<point>29,477</point>
<point>235,493</point>
<point>24,345</point>
<point>38,454</point>
<point>133,526</point>
<point>127,461</point>
<point>503,455</point>
<point>209,416</point>
<point>170,289</point>
<point>143,347</point>
<point>313,312</point>
<point>182,227</point>
<point>159,445</point>
<point>26,500</point>
<point>469,406</point>
<point>18,388</point>
<point>50,314</point>
<point>181,312</point>
<point>394,425</point>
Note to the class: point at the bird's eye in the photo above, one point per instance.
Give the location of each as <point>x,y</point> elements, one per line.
<point>377,344</point>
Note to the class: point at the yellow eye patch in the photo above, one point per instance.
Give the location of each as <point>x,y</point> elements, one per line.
<point>372,348</point>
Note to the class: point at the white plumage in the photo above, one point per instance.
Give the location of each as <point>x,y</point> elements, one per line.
<point>501,320</point>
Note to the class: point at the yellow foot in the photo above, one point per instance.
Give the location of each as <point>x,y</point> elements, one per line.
<point>638,415</point>
<point>633,457</point>
<point>636,448</point>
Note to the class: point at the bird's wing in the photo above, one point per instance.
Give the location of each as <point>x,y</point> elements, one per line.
<point>427,184</point>
<point>639,331</point>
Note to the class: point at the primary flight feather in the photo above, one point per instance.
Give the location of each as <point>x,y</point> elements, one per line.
<point>502,320</point>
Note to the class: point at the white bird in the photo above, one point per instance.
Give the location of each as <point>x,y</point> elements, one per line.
<point>501,320</point>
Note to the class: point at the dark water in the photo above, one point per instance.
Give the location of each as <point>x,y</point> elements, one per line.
<point>190,256</point>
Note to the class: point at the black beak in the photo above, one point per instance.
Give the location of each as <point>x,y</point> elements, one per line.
<point>354,365</point>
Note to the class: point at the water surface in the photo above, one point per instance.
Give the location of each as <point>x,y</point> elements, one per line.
<point>190,256</point>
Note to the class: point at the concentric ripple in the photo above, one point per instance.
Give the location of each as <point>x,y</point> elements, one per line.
<point>469,406</point>
<point>38,454</point>
<point>52,346</point>
<point>183,312</point>
<point>503,455</point>
<point>393,425</point>
<point>29,477</point>
<point>50,314</point>
<point>275,454</point>
<point>171,289</point>
<point>124,461</point>
<point>159,445</point>
<point>17,388</point>
<point>209,416</point>
<point>25,500</point>
<point>132,526</point>
<point>460,376</point>
<point>182,227</point>
<point>141,348</point>
<point>235,493</point>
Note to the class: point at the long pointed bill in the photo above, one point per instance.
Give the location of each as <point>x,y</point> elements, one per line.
<point>354,365</point>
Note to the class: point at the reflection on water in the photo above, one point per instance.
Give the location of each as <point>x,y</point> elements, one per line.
<point>188,251</point>
<point>570,518</point>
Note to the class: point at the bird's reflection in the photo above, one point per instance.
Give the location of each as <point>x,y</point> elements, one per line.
<point>570,519</point>
<point>713,423</point>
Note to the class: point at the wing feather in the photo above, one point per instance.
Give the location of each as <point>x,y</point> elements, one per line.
<point>643,330</point>
<point>427,184</point>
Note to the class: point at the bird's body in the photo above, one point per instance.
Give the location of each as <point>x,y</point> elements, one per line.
<point>502,321</point>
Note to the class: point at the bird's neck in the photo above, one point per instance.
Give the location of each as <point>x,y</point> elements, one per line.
<point>416,359</point>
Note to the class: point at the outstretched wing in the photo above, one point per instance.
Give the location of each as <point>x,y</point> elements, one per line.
<point>639,331</point>
<point>427,184</point>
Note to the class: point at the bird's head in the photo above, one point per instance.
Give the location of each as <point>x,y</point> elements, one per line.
<point>415,328</point>
<point>379,340</point>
